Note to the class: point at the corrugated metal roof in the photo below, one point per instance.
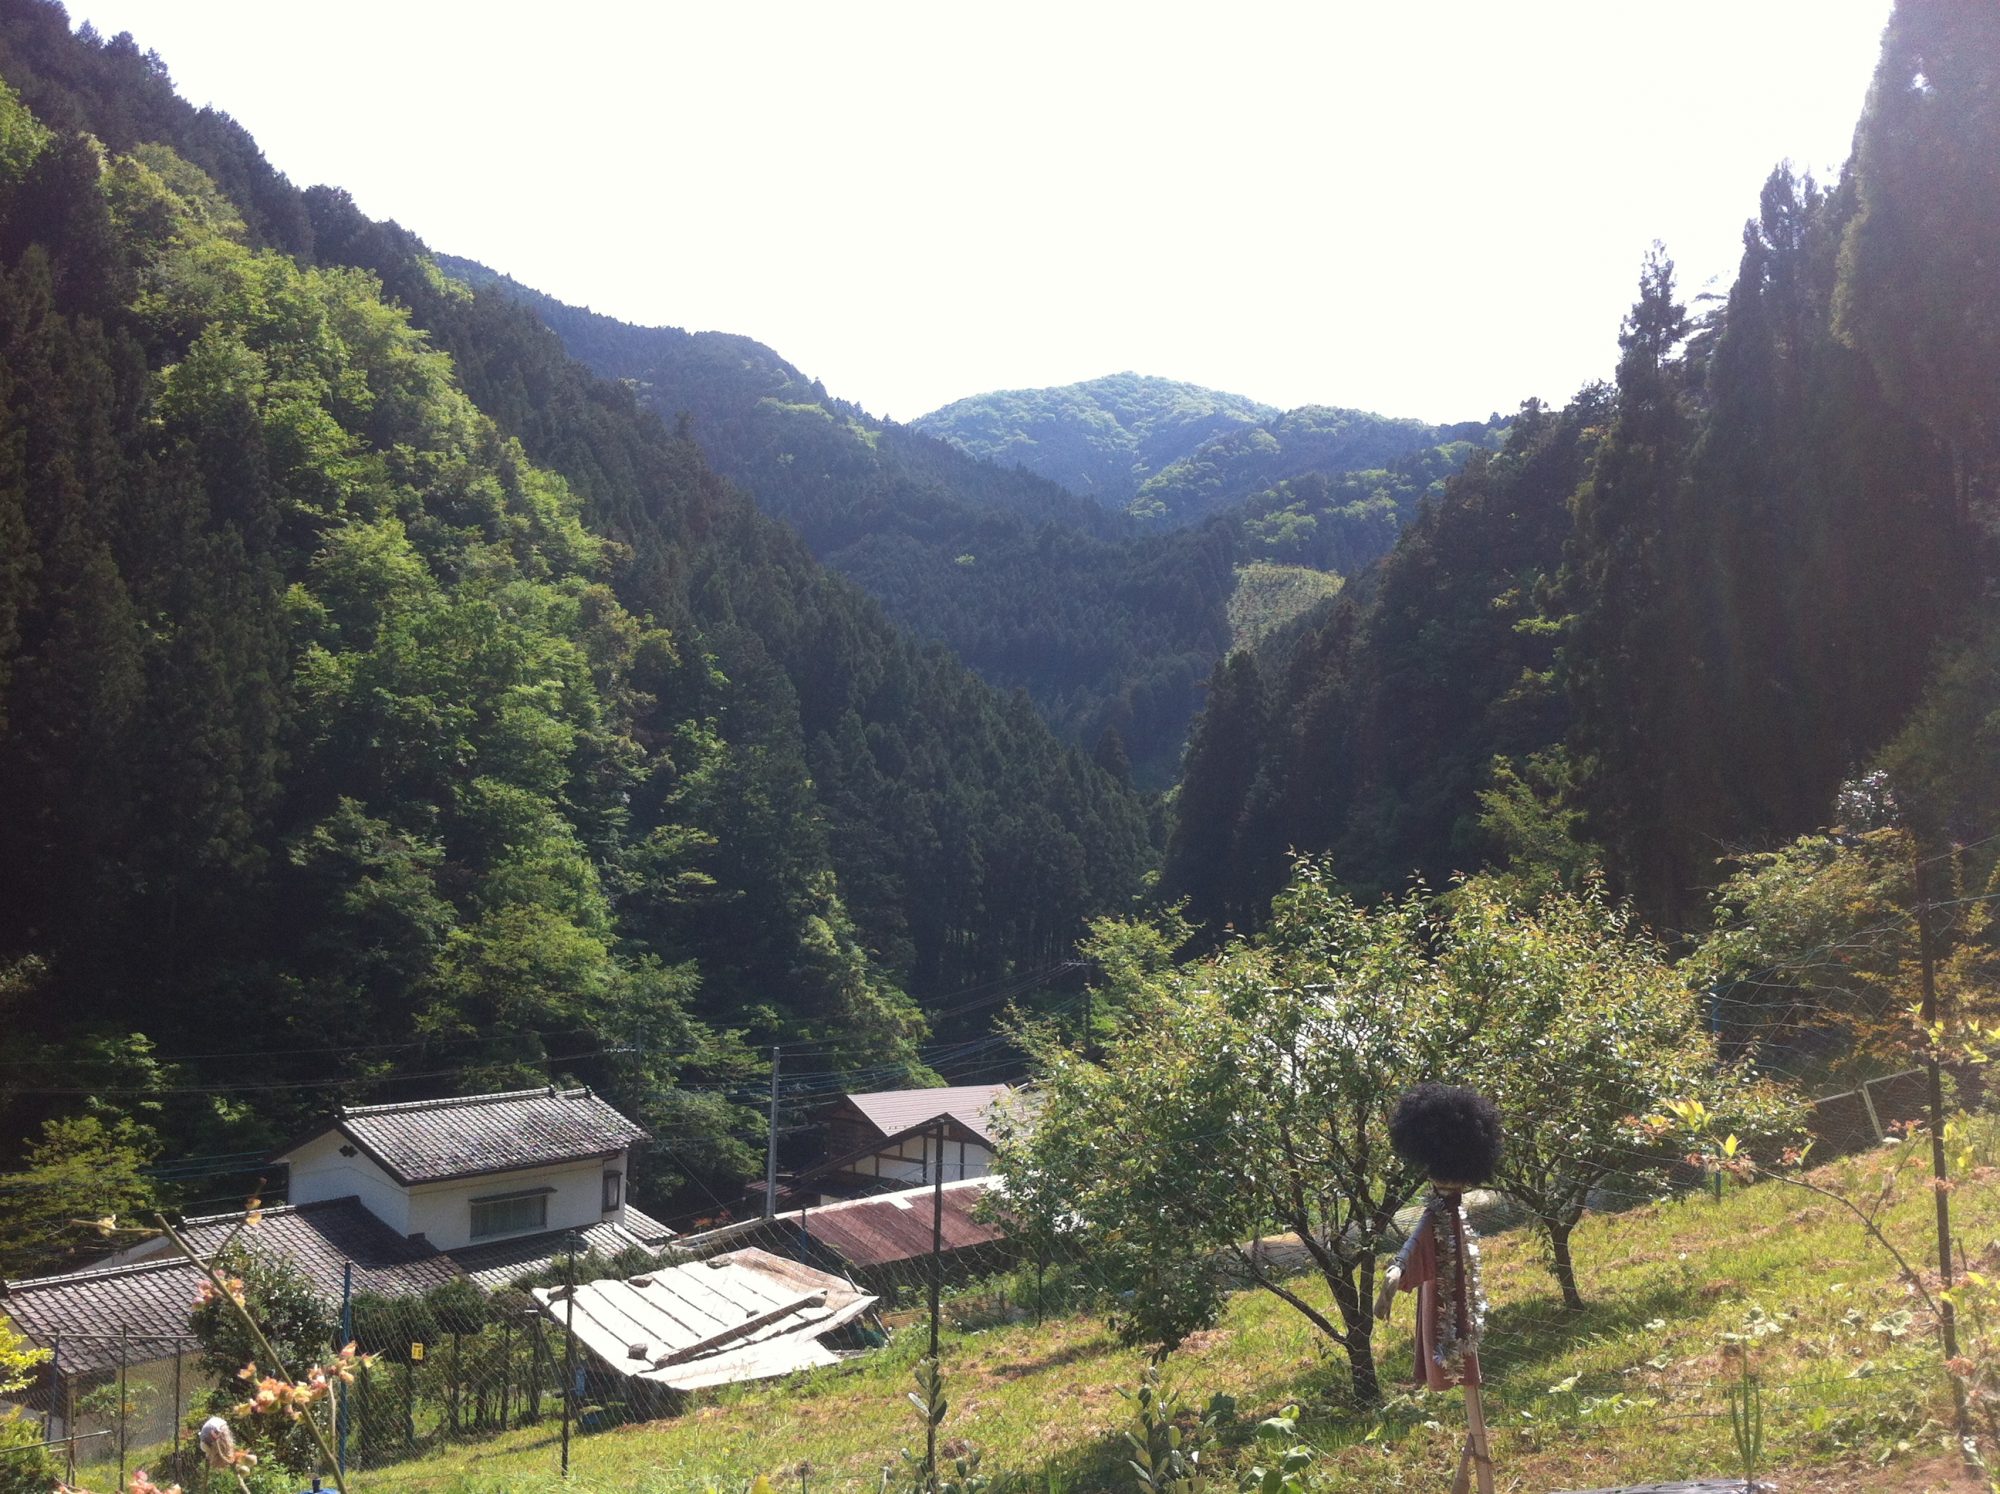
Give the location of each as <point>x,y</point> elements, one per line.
<point>431,1141</point>
<point>892,1227</point>
<point>880,1230</point>
<point>892,1111</point>
<point>748,1315</point>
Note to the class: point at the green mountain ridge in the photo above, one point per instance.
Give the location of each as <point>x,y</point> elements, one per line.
<point>1101,438</point>
<point>1109,625</point>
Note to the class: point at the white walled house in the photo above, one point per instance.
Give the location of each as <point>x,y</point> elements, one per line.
<point>474,1171</point>
<point>395,1200</point>
<point>899,1138</point>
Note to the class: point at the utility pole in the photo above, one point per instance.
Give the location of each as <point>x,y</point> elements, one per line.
<point>771,1145</point>
<point>937,1238</point>
<point>1947,1314</point>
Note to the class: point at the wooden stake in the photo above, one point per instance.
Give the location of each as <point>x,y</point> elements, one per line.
<point>1477,1457</point>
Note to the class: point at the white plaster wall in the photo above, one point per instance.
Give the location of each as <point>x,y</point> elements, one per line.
<point>319,1172</point>
<point>442,1212</point>
<point>977,1162</point>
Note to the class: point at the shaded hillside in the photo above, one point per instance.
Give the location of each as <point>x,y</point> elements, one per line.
<point>1669,620</point>
<point>387,697</point>
<point>1106,626</point>
<point>1103,626</point>
<point>1101,438</point>
<point>1238,464</point>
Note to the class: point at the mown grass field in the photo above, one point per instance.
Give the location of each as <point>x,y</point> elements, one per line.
<point>1633,1388</point>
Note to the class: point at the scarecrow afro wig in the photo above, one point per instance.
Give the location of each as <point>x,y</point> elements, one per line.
<point>1452,1134</point>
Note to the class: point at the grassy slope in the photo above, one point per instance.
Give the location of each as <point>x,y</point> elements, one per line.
<point>1632,1388</point>
<point>1267,596</point>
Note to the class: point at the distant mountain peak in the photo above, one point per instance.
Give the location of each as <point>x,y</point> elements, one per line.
<point>1101,438</point>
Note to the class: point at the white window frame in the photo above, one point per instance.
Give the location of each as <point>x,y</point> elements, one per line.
<point>538,1197</point>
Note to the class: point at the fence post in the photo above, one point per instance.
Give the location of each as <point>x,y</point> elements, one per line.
<point>180,1349</point>
<point>506,1366</point>
<point>342,1413</point>
<point>409,1402</point>
<point>55,1387</point>
<point>1947,1314</point>
<point>569,1350</point>
<point>451,1399</point>
<point>124,1340</point>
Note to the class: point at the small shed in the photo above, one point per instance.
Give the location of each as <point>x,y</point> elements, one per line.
<point>747,1315</point>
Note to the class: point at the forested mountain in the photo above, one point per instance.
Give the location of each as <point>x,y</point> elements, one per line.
<point>1106,628</point>
<point>1669,619</point>
<point>385,696</point>
<point>1236,466</point>
<point>1111,629</point>
<point>1101,438</point>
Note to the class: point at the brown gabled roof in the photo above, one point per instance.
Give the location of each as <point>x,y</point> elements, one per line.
<point>433,1141</point>
<point>896,1111</point>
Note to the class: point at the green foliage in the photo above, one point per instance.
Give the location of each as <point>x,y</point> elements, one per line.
<point>24,1467</point>
<point>1914,292</point>
<point>83,1176</point>
<point>1604,1031</point>
<point>18,1359</point>
<point>297,1323</point>
<point>955,1467</point>
<point>1809,947</point>
<point>1268,596</point>
<point>293,1317</point>
<point>1171,1444</point>
<point>1248,1090</point>
<point>1238,464</point>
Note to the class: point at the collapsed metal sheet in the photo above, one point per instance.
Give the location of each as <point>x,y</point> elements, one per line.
<point>747,1315</point>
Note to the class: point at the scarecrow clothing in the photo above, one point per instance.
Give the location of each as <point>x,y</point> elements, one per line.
<point>1440,1263</point>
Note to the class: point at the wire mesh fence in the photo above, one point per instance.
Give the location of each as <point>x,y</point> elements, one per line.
<point>465,1381</point>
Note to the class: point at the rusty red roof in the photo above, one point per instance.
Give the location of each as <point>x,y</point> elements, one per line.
<point>891,1227</point>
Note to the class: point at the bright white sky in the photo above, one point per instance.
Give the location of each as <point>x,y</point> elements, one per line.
<point>1424,209</point>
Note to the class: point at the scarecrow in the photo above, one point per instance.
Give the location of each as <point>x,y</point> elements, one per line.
<point>1453,1135</point>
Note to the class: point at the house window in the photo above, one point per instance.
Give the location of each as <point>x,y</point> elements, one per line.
<point>614,1191</point>
<point>510,1213</point>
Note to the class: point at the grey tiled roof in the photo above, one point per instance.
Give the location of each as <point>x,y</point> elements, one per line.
<point>82,1313</point>
<point>320,1238</point>
<point>893,1111</point>
<point>429,1141</point>
<point>152,1299</point>
<point>505,1261</point>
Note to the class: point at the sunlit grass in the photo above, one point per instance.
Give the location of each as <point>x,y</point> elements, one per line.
<point>1631,1388</point>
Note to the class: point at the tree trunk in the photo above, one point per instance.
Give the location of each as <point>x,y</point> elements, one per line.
<point>1564,1267</point>
<point>1358,1329</point>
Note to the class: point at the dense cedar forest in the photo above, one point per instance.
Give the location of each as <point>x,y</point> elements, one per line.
<point>1665,621</point>
<point>423,685</point>
<point>1109,628</point>
<point>381,690</point>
